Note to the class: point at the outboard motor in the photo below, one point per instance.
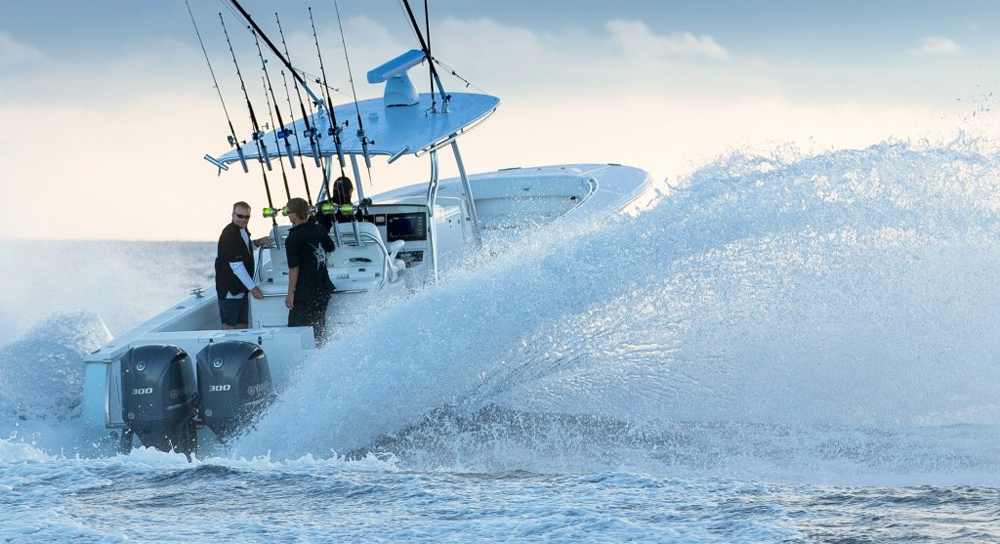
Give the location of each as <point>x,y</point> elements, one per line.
<point>235,386</point>
<point>159,398</point>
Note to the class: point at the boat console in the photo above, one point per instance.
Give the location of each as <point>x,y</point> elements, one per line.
<point>386,241</point>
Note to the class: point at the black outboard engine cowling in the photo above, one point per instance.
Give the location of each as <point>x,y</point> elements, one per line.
<point>234,381</point>
<point>159,397</point>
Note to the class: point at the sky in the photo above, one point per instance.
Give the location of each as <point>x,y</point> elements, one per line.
<point>108,105</point>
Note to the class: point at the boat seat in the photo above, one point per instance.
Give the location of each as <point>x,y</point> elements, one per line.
<point>369,260</point>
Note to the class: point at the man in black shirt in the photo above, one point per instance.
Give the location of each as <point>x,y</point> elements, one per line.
<point>234,269</point>
<point>309,285</point>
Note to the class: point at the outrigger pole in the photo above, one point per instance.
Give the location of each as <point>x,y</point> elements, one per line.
<point>233,139</point>
<point>430,59</point>
<point>432,188</point>
<point>430,76</point>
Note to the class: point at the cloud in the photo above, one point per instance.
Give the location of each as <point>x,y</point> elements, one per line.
<point>937,45</point>
<point>476,38</point>
<point>559,82</point>
<point>14,52</point>
<point>637,39</point>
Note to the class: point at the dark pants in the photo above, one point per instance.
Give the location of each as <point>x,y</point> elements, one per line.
<point>234,311</point>
<point>310,310</point>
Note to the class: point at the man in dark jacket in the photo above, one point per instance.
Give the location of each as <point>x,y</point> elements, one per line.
<point>234,266</point>
<point>309,285</point>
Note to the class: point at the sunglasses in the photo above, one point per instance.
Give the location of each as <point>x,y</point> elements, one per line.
<point>241,216</point>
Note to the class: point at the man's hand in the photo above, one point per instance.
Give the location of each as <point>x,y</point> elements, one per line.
<point>257,294</point>
<point>262,241</point>
<point>290,300</point>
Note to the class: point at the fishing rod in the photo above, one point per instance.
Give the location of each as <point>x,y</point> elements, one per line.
<point>270,211</point>
<point>268,88</point>
<point>329,163</point>
<point>357,108</point>
<point>233,139</point>
<point>261,145</point>
<point>334,127</point>
<point>310,131</point>
<point>274,49</point>
<point>298,144</point>
<point>427,53</point>
<point>281,163</point>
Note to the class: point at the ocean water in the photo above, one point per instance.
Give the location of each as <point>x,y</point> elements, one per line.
<point>783,349</point>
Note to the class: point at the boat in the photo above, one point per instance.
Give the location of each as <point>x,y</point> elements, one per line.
<point>179,382</point>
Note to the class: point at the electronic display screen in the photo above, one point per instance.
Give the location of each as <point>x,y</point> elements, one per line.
<point>406,227</point>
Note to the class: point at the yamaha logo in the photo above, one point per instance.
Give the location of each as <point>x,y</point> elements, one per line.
<point>217,363</point>
<point>174,394</point>
<point>140,366</point>
<point>259,389</point>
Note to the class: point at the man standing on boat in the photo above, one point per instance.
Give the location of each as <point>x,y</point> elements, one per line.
<point>309,285</point>
<point>234,269</point>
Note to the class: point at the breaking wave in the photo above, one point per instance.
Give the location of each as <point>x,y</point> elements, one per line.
<point>842,302</point>
<point>777,316</point>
